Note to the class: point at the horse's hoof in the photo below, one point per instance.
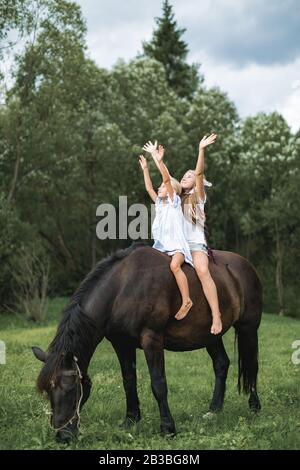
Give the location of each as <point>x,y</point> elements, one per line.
<point>168,435</point>
<point>209,415</point>
<point>169,432</point>
<point>254,404</point>
<point>255,408</point>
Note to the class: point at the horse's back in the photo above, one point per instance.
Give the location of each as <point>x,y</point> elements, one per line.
<point>148,297</point>
<point>247,280</point>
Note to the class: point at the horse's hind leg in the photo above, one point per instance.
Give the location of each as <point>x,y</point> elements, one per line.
<point>127,358</point>
<point>153,346</point>
<point>221,363</point>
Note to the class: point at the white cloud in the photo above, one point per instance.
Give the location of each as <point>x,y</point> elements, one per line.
<point>243,31</point>
<point>233,31</point>
<point>253,88</point>
<point>105,46</point>
<point>291,107</point>
<point>117,29</point>
<point>256,88</point>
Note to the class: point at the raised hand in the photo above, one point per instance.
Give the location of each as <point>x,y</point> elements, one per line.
<point>151,148</point>
<point>143,162</point>
<point>205,141</point>
<point>160,153</point>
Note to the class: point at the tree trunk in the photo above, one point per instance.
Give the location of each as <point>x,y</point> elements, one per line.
<point>279,264</point>
<point>91,191</point>
<point>237,238</point>
<point>16,172</point>
<point>61,251</point>
<point>13,185</point>
<point>25,96</point>
<point>248,247</point>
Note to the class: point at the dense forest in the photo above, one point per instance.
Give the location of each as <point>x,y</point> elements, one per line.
<point>70,136</point>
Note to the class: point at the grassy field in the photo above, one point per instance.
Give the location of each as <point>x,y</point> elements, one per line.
<point>24,423</point>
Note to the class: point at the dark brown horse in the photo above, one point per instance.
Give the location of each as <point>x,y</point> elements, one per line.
<point>131,299</point>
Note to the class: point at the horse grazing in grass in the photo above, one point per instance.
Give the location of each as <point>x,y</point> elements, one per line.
<point>131,298</point>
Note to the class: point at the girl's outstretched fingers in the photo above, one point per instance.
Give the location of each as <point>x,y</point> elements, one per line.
<point>143,162</point>
<point>149,147</point>
<point>160,152</point>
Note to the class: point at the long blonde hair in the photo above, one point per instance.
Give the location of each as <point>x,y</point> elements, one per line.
<point>176,185</point>
<point>191,209</point>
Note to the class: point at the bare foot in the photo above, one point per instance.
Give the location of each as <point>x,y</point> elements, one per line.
<point>216,326</point>
<point>184,310</point>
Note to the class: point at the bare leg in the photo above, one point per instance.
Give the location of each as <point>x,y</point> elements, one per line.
<point>175,266</point>
<point>200,260</point>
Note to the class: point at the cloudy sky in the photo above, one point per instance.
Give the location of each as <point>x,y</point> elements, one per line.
<point>249,48</point>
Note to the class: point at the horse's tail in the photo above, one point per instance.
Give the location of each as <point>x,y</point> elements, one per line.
<point>247,342</point>
<point>246,326</point>
<point>245,376</point>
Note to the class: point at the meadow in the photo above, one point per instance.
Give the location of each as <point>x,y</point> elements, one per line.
<point>25,423</point>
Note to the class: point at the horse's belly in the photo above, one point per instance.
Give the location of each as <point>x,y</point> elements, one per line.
<point>175,345</point>
<point>187,336</point>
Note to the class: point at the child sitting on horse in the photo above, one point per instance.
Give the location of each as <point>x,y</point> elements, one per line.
<point>167,228</point>
<point>193,199</point>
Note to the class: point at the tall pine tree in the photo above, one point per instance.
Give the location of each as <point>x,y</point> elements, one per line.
<point>167,47</point>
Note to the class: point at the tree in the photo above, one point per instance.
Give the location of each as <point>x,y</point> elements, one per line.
<point>212,111</point>
<point>40,142</point>
<point>167,47</point>
<point>267,174</point>
<point>15,15</point>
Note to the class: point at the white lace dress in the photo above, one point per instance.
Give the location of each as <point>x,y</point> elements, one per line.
<point>194,232</point>
<point>167,228</point>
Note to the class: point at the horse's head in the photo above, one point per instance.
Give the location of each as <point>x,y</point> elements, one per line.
<point>67,389</point>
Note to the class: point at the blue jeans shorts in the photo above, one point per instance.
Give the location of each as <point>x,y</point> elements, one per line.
<point>198,247</point>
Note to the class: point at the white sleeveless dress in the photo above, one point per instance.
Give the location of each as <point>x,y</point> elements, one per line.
<point>194,232</point>
<point>168,228</point>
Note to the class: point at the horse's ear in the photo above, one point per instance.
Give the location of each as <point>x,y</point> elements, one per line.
<point>39,353</point>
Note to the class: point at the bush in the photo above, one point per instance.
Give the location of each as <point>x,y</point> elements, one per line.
<point>31,280</point>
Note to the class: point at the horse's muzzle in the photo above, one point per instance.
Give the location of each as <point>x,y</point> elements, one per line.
<point>67,434</point>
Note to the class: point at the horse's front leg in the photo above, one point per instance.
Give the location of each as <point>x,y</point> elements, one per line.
<point>127,357</point>
<point>221,363</point>
<point>153,346</point>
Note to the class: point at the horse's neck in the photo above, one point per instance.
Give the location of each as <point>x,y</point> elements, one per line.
<point>97,304</point>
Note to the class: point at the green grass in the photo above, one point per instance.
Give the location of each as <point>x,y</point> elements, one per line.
<point>24,424</point>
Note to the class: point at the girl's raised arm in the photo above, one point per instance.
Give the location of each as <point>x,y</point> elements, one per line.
<point>147,178</point>
<point>158,155</point>
<point>199,170</point>
<point>154,151</point>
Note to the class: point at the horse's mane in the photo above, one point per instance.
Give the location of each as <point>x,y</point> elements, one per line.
<point>101,268</point>
<point>75,332</point>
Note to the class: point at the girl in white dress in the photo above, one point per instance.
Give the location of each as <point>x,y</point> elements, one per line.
<point>193,200</point>
<point>167,228</point>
